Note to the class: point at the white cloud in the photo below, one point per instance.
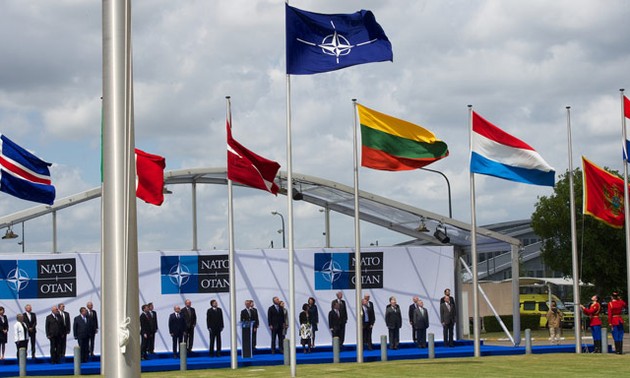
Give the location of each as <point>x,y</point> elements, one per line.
<point>519,63</point>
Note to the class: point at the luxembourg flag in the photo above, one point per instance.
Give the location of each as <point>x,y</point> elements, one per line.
<point>499,154</point>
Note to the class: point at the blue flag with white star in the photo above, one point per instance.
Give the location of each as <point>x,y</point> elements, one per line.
<point>319,43</point>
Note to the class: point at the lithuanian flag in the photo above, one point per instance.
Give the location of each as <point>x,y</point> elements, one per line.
<point>391,144</point>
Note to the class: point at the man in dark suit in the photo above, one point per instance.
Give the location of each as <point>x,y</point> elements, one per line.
<point>81,331</point>
<point>146,329</point>
<point>393,320</point>
<point>420,324</point>
<point>93,322</point>
<point>334,320</point>
<point>176,327</point>
<point>448,315</point>
<point>30,320</point>
<point>367,318</point>
<point>343,310</point>
<point>447,293</point>
<point>54,330</point>
<point>191,322</point>
<point>412,308</point>
<point>154,321</point>
<point>250,314</point>
<point>67,328</point>
<point>275,318</point>
<point>214,323</point>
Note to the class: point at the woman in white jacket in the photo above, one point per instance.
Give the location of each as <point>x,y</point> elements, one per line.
<point>20,334</point>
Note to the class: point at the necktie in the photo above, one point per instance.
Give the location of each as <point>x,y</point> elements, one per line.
<point>84,319</point>
<point>177,315</point>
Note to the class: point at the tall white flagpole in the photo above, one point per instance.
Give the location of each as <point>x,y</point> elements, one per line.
<point>233,349</point>
<point>473,249</point>
<point>626,206</point>
<point>574,252</point>
<point>119,245</point>
<point>357,238</point>
<point>292,305</point>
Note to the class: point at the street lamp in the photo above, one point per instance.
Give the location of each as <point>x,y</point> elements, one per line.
<point>284,245</point>
<point>448,185</point>
<point>12,235</point>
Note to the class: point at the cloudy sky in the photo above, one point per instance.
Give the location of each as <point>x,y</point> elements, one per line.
<point>519,63</point>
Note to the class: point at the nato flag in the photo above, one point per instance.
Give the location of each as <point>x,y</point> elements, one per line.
<point>327,42</point>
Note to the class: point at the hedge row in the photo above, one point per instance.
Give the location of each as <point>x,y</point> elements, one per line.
<point>491,324</point>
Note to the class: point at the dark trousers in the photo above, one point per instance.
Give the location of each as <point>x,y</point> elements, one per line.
<point>367,335</point>
<point>276,333</point>
<point>62,347</point>
<point>335,333</point>
<point>91,343</point>
<point>55,351</point>
<point>394,337</point>
<point>597,332</point>
<point>254,338</point>
<point>342,334</point>
<point>177,339</point>
<point>20,344</point>
<point>31,337</point>
<point>144,345</point>
<point>151,346</point>
<point>189,338</point>
<point>215,336</point>
<point>84,346</point>
<point>421,337</point>
<point>448,334</point>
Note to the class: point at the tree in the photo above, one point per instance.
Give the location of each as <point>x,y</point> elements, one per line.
<point>601,248</point>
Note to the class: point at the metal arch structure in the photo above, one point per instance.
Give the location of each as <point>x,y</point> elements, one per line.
<point>330,195</point>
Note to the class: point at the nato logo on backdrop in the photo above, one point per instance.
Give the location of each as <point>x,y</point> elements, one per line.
<point>27,279</point>
<point>335,271</point>
<point>195,274</point>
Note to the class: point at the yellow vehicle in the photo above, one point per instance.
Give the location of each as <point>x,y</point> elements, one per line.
<point>539,304</point>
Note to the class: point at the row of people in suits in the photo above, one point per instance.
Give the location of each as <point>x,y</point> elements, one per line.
<point>181,324</point>
<point>57,326</point>
<point>183,321</point>
<point>418,318</point>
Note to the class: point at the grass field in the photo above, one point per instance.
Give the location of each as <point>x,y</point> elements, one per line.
<point>559,365</point>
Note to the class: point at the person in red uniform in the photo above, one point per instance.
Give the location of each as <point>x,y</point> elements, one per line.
<point>592,311</point>
<point>615,321</point>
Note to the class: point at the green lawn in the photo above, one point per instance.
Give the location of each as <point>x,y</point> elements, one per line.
<point>559,365</point>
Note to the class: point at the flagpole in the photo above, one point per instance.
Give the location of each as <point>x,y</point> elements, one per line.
<point>473,249</point>
<point>233,350</point>
<point>292,305</point>
<point>120,352</point>
<point>625,187</point>
<point>357,238</point>
<point>574,253</point>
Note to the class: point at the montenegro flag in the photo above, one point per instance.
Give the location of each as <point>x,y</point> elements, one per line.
<point>603,194</point>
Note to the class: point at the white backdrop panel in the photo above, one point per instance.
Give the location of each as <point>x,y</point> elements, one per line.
<point>260,275</point>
